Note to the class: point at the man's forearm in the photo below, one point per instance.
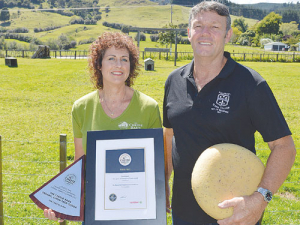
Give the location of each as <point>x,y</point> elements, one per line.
<point>168,135</point>
<point>279,163</point>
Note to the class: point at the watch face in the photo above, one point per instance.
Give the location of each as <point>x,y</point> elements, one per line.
<point>269,196</point>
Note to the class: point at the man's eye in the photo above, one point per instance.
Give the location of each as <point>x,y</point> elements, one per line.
<point>125,60</point>
<point>111,58</point>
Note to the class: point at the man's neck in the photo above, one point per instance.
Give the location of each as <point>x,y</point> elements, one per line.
<point>206,69</point>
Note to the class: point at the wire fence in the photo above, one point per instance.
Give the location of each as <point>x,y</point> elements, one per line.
<point>82,54</point>
<point>20,177</point>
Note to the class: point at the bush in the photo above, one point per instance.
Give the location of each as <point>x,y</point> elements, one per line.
<point>19,30</point>
<point>73,44</point>
<point>37,30</point>
<point>125,29</point>
<point>90,22</point>
<point>86,41</point>
<point>98,17</point>
<point>184,41</point>
<point>142,37</point>
<point>21,37</point>
<point>154,38</point>
<point>76,20</point>
<point>52,43</point>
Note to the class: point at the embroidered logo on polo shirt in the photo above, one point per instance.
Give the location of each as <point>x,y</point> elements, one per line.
<point>221,105</point>
<point>125,125</point>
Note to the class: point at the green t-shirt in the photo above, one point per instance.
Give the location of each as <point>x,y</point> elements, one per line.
<point>88,115</point>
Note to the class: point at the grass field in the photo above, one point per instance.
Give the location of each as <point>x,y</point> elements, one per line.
<point>35,104</point>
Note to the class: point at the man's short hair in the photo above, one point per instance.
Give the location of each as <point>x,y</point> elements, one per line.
<point>207,6</point>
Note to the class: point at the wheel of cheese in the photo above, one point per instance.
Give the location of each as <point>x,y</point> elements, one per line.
<point>222,172</point>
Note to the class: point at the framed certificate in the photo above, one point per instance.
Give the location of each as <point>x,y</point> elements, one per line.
<point>125,179</point>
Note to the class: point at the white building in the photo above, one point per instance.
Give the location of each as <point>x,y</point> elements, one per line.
<point>298,47</point>
<point>276,46</point>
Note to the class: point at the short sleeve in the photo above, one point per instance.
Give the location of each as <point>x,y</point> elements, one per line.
<point>75,123</point>
<point>155,120</point>
<point>166,122</point>
<point>266,116</point>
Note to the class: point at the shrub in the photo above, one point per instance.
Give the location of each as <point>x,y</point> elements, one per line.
<point>125,29</point>
<point>36,30</point>
<point>86,41</point>
<point>19,30</point>
<point>98,17</point>
<point>184,41</point>
<point>90,22</point>
<point>73,44</point>
<point>142,37</point>
<point>76,20</point>
<point>154,38</point>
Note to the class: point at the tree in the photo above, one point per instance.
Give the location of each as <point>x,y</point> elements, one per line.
<point>3,45</point>
<point>288,28</point>
<point>235,34</point>
<point>1,4</point>
<point>240,24</point>
<point>246,37</point>
<point>125,29</point>
<point>4,15</point>
<point>63,42</point>
<point>270,24</point>
<point>167,37</point>
<point>264,41</point>
<point>290,15</point>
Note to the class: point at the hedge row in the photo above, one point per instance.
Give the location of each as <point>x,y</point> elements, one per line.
<point>17,30</point>
<point>120,26</point>
<point>37,30</point>
<point>21,37</point>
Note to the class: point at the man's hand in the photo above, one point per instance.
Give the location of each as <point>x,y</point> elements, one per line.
<point>247,210</point>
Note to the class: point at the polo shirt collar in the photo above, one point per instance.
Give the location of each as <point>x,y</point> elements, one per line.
<point>225,72</point>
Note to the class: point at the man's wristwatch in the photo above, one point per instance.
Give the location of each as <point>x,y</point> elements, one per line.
<point>267,194</point>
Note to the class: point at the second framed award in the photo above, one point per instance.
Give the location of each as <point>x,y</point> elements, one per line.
<point>125,182</point>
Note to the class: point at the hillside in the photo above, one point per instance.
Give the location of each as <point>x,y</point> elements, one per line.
<point>52,24</point>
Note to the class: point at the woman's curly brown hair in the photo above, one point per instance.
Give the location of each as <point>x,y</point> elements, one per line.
<point>97,51</point>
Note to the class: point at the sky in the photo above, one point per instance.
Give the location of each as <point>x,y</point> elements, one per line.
<point>260,1</point>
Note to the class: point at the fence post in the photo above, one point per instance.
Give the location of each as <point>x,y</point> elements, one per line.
<point>6,53</point>
<point>293,57</point>
<point>63,156</point>
<point>63,151</point>
<point>75,54</point>
<point>1,186</point>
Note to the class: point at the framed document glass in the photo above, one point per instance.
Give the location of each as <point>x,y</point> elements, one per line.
<point>125,181</point>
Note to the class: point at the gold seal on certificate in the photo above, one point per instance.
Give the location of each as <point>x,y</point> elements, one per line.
<point>64,193</point>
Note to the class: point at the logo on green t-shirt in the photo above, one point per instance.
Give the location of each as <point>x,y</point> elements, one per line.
<point>124,125</point>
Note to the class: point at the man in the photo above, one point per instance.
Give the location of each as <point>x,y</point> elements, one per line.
<point>215,100</point>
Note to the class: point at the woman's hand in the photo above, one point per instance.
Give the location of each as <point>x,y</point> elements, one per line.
<point>48,213</point>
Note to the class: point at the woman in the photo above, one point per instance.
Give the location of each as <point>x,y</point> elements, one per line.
<point>114,105</point>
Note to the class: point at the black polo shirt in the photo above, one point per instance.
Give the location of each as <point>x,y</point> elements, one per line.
<point>229,109</point>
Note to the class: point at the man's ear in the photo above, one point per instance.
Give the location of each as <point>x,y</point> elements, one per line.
<point>228,36</point>
<point>189,34</point>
